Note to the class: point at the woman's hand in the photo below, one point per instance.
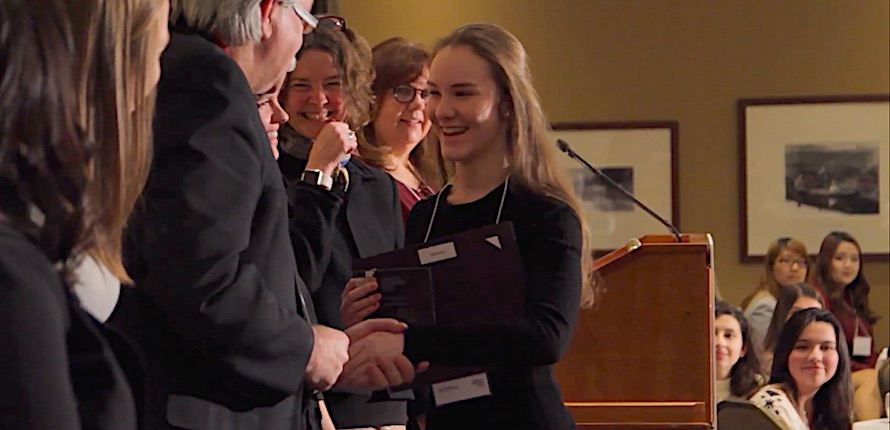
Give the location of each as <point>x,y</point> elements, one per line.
<point>357,302</point>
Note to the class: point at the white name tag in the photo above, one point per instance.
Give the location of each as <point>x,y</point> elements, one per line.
<point>862,346</point>
<point>435,254</point>
<point>466,388</point>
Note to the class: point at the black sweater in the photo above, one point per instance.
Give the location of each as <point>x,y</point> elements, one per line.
<point>524,392</point>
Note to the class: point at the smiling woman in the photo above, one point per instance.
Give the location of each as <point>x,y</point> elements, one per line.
<point>810,381</point>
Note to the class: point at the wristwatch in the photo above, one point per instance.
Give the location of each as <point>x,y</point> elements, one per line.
<point>318,178</point>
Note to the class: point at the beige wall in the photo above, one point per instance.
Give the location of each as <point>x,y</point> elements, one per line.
<point>623,60</point>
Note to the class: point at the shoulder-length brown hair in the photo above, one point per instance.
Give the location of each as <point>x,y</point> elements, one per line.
<point>768,280</point>
<point>832,403</point>
<point>43,155</point>
<point>857,291</point>
<point>787,296</point>
<point>530,150</point>
<point>112,39</point>
<point>398,61</point>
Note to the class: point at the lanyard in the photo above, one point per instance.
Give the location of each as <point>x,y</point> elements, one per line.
<point>497,219</point>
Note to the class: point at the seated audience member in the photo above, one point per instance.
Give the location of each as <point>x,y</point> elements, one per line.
<point>786,263</point>
<point>838,276</point>
<point>489,121</point>
<point>809,387</point>
<point>395,138</point>
<point>326,96</point>
<point>58,370</point>
<point>739,372</point>
<point>792,298</point>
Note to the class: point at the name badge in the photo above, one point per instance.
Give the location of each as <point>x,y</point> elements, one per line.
<point>466,388</point>
<point>437,253</point>
<point>862,346</point>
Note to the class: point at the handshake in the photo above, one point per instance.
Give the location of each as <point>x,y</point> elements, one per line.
<point>368,355</point>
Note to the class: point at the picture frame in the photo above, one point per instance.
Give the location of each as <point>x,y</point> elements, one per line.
<point>643,157</point>
<point>812,165</point>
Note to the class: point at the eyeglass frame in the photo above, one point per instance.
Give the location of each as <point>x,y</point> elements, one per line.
<point>801,262</point>
<point>304,15</point>
<point>338,23</point>
<point>415,92</point>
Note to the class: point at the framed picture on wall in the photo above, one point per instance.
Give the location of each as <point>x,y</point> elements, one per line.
<point>813,165</point>
<point>642,157</point>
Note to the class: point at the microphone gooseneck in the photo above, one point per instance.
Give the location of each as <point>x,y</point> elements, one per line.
<point>564,147</point>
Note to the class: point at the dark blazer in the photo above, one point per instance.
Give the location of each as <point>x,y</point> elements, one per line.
<point>57,369</point>
<point>368,222</point>
<point>221,322</point>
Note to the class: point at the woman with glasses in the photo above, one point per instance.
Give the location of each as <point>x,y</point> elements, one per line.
<point>786,263</point>
<point>395,138</point>
<point>329,88</point>
<point>839,278</point>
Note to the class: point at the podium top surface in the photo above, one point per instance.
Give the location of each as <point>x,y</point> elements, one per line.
<point>665,241</point>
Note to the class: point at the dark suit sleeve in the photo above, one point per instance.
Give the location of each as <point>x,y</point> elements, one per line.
<point>398,221</point>
<point>313,216</point>
<point>204,190</point>
<point>35,383</point>
<point>551,253</point>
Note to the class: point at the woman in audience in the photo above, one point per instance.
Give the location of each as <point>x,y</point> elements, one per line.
<point>326,96</point>
<point>810,384</point>
<point>792,298</point>
<point>839,278</point>
<point>737,361</point>
<point>118,45</point>
<point>488,120</point>
<point>58,371</point>
<point>787,262</point>
<point>395,138</point>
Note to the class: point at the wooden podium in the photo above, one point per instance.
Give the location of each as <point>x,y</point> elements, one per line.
<point>642,357</point>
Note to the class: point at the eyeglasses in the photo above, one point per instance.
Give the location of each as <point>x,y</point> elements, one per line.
<point>332,23</point>
<point>406,93</point>
<point>792,261</point>
<point>307,18</point>
<point>329,22</point>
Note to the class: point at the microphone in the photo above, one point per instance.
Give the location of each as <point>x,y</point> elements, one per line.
<point>564,147</point>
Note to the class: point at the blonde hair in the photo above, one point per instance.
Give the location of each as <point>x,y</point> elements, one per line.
<point>530,152</point>
<point>112,39</point>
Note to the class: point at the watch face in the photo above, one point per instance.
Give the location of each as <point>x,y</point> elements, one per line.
<point>312,176</point>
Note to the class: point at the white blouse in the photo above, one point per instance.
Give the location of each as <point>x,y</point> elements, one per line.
<point>97,288</point>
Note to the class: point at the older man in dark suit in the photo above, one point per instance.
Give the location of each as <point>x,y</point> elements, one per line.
<point>227,324</point>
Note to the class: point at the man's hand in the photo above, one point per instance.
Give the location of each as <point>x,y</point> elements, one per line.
<point>357,302</point>
<point>376,356</point>
<point>330,352</point>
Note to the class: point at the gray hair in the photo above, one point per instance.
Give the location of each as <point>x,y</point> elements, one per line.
<point>235,22</point>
